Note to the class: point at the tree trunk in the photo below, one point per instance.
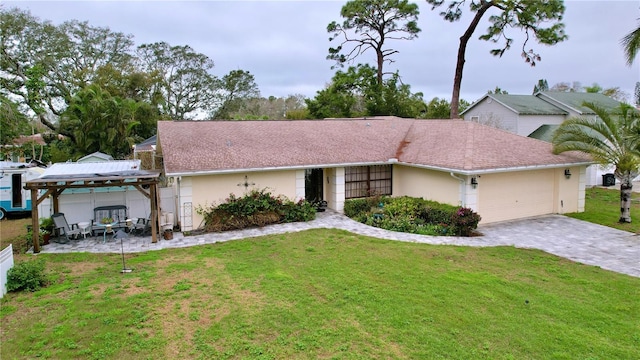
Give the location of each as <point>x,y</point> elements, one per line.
<point>464,39</point>
<point>380,60</point>
<point>625,201</point>
<point>626,186</point>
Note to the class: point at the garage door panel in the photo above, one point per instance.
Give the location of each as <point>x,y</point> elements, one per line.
<point>515,195</point>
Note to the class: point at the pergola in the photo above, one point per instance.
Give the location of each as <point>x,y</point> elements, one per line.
<point>53,185</point>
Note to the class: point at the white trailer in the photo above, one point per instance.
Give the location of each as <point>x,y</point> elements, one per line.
<point>13,197</point>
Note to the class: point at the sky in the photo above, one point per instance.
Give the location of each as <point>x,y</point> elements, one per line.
<point>284,44</point>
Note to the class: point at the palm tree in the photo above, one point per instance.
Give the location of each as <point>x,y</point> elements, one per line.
<point>610,139</point>
<point>101,122</point>
<point>631,44</point>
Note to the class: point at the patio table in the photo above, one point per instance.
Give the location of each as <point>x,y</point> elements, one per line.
<point>108,228</point>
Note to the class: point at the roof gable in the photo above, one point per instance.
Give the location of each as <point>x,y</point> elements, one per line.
<point>455,145</point>
<point>574,101</point>
<point>146,145</point>
<point>96,156</point>
<point>528,105</point>
<point>521,104</point>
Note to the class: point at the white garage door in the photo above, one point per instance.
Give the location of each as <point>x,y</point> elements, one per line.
<point>515,195</point>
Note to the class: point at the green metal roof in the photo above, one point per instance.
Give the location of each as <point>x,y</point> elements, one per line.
<point>528,104</point>
<point>544,132</point>
<point>576,99</point>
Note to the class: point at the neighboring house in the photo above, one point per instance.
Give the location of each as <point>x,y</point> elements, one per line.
<point>500,175</point>
<point>538,115</point>
<point>573,102</point>
<point>519,114</point>
<point>146,152</point>
<point>95,157</point>
<point>23,148</point>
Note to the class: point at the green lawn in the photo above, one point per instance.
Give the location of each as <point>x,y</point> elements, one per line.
<point>324,294</point>
<point>602,206</point>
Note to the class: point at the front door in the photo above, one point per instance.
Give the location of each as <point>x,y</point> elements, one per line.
<point>313,185</point>
<point>16,191</point>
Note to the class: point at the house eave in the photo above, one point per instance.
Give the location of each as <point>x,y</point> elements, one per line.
<point>388,162</point>
<point>278,168</point>
<point>498,170</point>
<point>477,102</point>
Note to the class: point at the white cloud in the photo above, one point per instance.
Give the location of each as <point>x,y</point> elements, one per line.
<point>284,43</point>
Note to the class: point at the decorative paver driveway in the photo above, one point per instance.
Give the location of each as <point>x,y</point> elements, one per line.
<point>573,239</point>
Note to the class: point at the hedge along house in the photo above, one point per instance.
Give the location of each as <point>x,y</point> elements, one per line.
<point>500,175</point>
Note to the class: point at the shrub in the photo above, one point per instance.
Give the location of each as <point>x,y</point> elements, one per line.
<point>436,230</point>
<point>22,243</point>
<point>257,208</point>
<point>300,211</point>
<point>401,223</point>
<point>413,215</point>
<point>28,275</point>
<point>464,221</point>
<point>403,207</point>
<point>256,201</point>
<point>355,207</point>
<point>437,213</point>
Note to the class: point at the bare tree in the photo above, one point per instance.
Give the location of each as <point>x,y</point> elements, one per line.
<point>372,23</point>
<point>527,15</point>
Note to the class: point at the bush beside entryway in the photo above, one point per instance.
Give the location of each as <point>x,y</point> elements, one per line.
<point>255,209</point>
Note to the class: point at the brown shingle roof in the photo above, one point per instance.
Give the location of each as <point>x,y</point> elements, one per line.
<point>215,146</point>
<point>469,146</point>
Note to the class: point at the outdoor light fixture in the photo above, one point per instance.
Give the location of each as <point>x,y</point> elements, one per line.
<point>567,173</point>
<point>474,182</point>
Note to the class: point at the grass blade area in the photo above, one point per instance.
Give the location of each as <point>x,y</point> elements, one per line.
<point>324,294</point>
<point>602,206</point>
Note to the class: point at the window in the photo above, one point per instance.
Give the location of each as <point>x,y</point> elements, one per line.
<point>362,181</point>
<point>475,118</point>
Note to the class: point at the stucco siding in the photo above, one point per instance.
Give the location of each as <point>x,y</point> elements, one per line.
<point>428,184</point>
<point>214,189</point>
<point>493,114</point>
<point>569,196</point>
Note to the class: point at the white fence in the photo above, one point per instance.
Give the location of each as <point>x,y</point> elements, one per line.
<point>6,263</point>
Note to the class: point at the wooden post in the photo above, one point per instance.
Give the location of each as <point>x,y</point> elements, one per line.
<point>54,199</point>
<point>35,222</point>
<point>154,213</point>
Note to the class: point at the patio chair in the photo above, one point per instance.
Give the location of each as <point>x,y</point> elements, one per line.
<point>142,227</point>
<point>62,227</point>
